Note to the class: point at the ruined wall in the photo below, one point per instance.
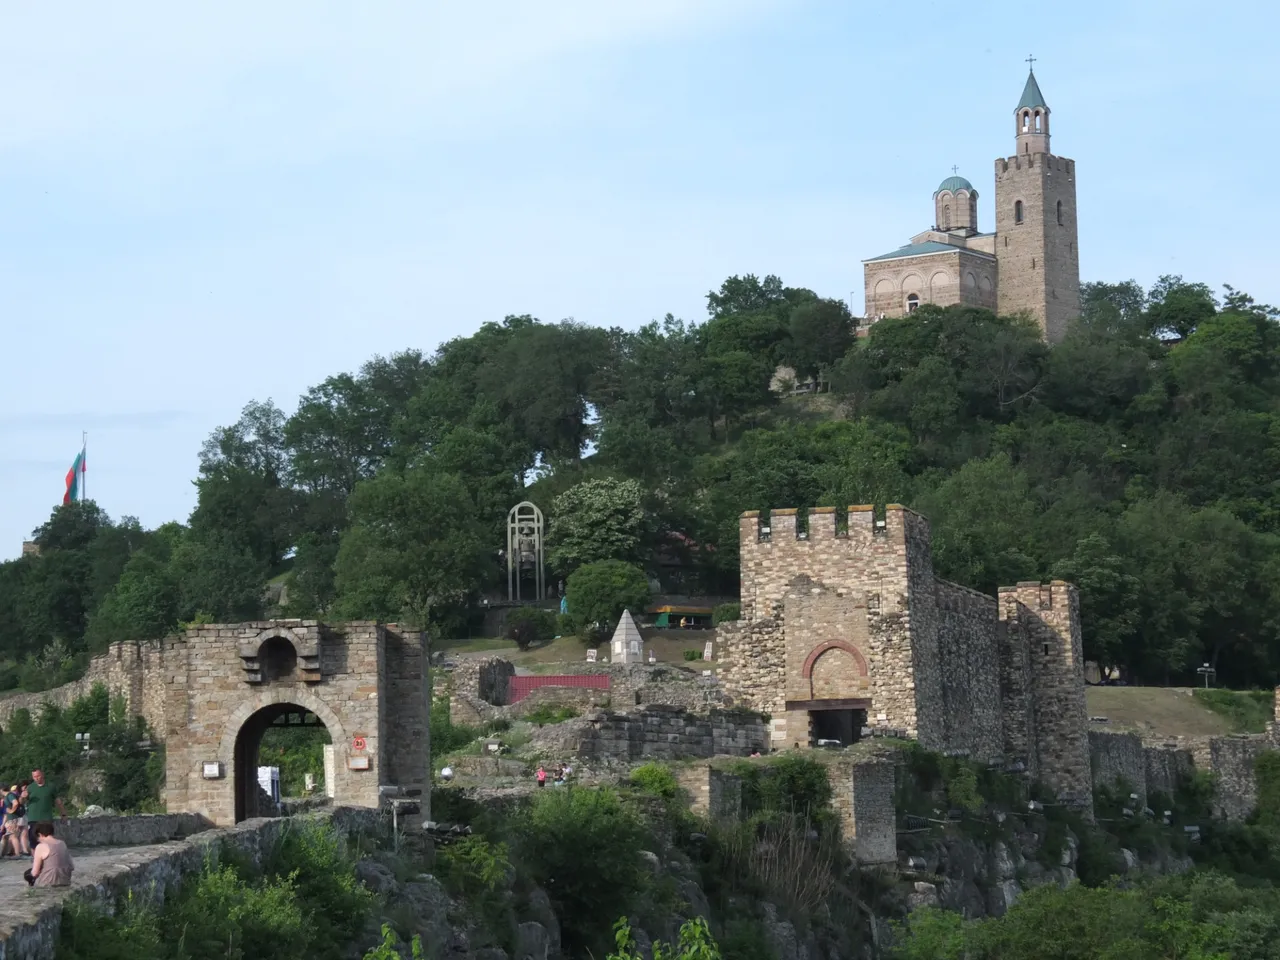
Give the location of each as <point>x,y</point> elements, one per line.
<point>862,793</point>
<point>132,670</point>
<point>969,646</point>
<point>1231,760</point>
<point>711,793</point>
<point>1118,758</point>
<point>131,831</point>
<point>669,733</point>
<point>1166,767</point>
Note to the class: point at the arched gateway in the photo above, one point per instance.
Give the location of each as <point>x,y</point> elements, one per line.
<point>226,684</point>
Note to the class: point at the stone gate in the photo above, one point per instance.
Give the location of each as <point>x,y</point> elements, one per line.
<point>225,684</point>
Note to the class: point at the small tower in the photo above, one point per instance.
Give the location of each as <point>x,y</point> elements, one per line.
<point>1037,253</point>
<point>955,207</point>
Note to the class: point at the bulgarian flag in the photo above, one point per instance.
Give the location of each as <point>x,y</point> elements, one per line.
<point>75,479</point>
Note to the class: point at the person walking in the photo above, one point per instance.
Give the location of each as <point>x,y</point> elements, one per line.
<point>13,838</point>
<point>542,776</point>
<point>41,799</point>
<point>51,865</point>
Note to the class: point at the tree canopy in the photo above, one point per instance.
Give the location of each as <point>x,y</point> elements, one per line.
<point>1136,458</point>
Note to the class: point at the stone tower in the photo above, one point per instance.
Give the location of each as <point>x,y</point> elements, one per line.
<point>955,207</point>
<point>1037,248</point>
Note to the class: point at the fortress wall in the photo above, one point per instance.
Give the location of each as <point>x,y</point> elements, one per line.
<point>1118,759</point>
<point>1231,760</point>
<point>1166,766</point>
<point>967,622</point>
<point>132,670</point>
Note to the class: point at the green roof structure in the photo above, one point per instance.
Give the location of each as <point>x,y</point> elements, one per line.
<point>916,250</point>
<point>955,184</point>
<point>1031,95</point>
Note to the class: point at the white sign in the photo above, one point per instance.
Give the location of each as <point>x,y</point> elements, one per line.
<point>211,770</point>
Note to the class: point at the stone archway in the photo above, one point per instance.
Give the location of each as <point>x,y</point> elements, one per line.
<point>224,683</point>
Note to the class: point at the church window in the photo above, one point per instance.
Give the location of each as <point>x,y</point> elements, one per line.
<point>1017,211</point>
<point>1059,213</point>
<point>946,216</point>
<point>913,302</point>
<point>1037,121</point>
<point>1026,121</point>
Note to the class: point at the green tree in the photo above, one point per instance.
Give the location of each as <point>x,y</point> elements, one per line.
<point>596,520</point>
<point>598,592</point>
<point>820,332</point>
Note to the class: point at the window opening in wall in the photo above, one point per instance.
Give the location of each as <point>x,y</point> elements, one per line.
<point>1006,241</point>
<point>1017,211</point>
<point>1037,121</point>
<point>1071,248</point>
<point>1033,263</point>
<point>1059,213</point>
<point>912,302</point>
<point>1026,122</point>
<point>1046,649</point>
<point>946,216</point>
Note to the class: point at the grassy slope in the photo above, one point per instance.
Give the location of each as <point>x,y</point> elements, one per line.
<point>1156,711</point>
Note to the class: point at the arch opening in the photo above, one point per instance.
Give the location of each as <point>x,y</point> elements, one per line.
<point>279,659</point>
<point>913,303</point>
<point>276,748</point>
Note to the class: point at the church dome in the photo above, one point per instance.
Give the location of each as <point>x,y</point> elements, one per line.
<point>955,184</point>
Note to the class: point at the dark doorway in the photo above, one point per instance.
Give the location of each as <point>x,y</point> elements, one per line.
<point>282,735</point>
<point>843,727</point>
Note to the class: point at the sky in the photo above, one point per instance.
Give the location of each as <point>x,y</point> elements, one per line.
<point>207,204</point>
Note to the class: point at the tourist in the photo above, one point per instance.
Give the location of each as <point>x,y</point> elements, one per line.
<point>41,799</point>
<point>542,776</point>
<point>560,775</point>
<point>51,865</point>
<point>13,834</point>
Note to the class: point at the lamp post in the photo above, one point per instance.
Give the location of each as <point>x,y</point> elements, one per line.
<point>1206,671</point>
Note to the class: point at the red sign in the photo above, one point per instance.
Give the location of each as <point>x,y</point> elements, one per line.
<point>358,743</point>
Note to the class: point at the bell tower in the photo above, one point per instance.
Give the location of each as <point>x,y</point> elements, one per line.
<point>1037,246</point>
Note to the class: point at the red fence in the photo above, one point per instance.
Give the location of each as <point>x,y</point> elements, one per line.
<point>520,686</point>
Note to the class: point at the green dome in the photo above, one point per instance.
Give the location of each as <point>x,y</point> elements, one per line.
<point>955,184</point>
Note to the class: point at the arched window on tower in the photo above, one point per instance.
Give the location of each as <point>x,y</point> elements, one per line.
<point>913,302</point>
<point>1026,121</point>
<point>1017,211</point>
<point>946,216</point>
<point>1059,213</point>
<point>1038,121</point>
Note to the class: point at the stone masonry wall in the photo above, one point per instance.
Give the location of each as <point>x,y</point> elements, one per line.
<point>862,793</point>
<point>1166,767</point>
<point>669,733</point>
<point>1231,760</point>
<point>712,793</point>
<point>132,670</point>
<point>30,925</point>
<point>971,671</point>
<point>1118,758</point>
<point>131,831</point>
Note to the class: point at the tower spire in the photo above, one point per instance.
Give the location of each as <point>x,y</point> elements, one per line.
<point>1031,117</point>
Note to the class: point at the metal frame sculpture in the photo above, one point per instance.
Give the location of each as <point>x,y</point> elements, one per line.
<point>525,550</point>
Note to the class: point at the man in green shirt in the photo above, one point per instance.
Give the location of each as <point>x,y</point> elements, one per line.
<point>41,800</point>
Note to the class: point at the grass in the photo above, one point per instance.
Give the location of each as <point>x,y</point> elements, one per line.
<point>1156,712</point>
<point>1246,710</point>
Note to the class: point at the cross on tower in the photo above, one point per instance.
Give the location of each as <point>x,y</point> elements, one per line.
<point>954,169</point>
<point>1031,61</point>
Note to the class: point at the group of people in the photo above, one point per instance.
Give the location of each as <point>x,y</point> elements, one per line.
<point>562,773</point>
<point>26,830</point>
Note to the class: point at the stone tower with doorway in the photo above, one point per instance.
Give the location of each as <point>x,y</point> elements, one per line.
<point>1037,245</point>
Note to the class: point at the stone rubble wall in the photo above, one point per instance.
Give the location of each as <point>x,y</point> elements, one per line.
<point>970,649</point>
<point>135,671</point>
<point>714,794</point>
<point>130,831</point>
<point>1232,762</point>
<point>150,874</point>
<point>1166,766</point>
<point>669,733</point>
<point>1119,759</point>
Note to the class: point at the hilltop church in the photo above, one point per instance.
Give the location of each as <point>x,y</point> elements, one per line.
<point>1029,264</point>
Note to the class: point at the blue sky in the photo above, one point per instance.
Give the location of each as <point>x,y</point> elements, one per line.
<point>206,204</point>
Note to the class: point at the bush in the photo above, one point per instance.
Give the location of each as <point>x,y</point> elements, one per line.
<point>1248,710</point>
<point>656,780</point>
<point>546,714</point>
<point>726,613</point>
<point>599,592</point>
<point>691,655</point>
<point>582,847</point>
<point>791,784</point>
<point>530,625</point>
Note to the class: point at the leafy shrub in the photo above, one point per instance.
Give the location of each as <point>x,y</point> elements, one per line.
<point>530,625</point>
<point>655,779</point>
<point>791,784</point>
<point>582,847</point>
<point>446,736</point>
<point>695,943</point>
<point>473,866</point>
<point>599,592</point>
<point>547,713</point>
<point>314,856</point>
<point>691,655</point>
<point>1267,772</point>
<point>726,613</point>
<point>388,948</point>
<point>1248,710</point>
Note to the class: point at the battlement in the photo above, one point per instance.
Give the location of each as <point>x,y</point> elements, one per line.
<point>1030,161</point>
<point>891,522</point>
<point>1055,595</point>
